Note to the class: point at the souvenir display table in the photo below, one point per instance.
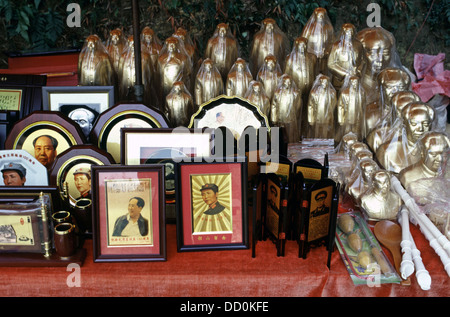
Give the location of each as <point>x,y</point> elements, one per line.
<point>219,274</point>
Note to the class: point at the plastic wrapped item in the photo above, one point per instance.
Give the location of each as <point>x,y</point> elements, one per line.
<point>223,49</point>
<point>380,202</point>
<point>346,56</point>
<point>321,108</point>
<point>350,108</point>
<point>286,108</point>
<point>152,44</point>
<point>361,178</point>
<point>269,40</point>
<point>391,80</point>
<point>401,150</point>
<point>320,34</point>
<point>94,65</point>
<point>381,52</point>
<point>366,264</point>
<point>179,106</point>
<point>127,74</point>
<point>238,78</point>
<point>391,124</point>
<point>115,45</point>
<point>208,82</point>
<point>257,96</point>
<point>433,149</point>
<point>185,40</point>
<point>269,74</point>
<point>301,65</point>
<point>174,64</point>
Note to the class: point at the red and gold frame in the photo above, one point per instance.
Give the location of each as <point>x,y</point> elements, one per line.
<point>113,187</point>
<point>221,225</point>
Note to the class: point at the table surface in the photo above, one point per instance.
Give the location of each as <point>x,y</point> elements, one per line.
<point>230,273</point>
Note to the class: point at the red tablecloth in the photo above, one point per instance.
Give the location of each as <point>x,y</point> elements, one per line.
<point>219,274</point>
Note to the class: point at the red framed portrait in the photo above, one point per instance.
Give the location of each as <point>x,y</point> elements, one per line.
<point>128,213</point>
<point>212,209</point>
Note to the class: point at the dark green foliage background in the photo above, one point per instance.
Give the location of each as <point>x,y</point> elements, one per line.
<point>40,25</point>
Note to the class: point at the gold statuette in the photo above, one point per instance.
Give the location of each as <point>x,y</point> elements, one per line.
<point>208,82</point>
<point>238,79</point>
<point>269,74</point>
<point>257,96</point>
<point>179,105</point>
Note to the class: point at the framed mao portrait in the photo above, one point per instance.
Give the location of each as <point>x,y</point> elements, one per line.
<point>212,205</point>
<point>44,134</point>
<point>128,213</point>
<point>20,168</point>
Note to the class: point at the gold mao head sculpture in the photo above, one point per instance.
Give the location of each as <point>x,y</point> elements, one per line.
<point>94,65</point>
<point>301,65</point>
<point>400,100</point>
<point>361,178</point>
<point>346,56</point>
<point>392,80</point>
<point>398,153</point>
<point>208,82</point>
<point>434,156</point>
<point>222,48</point>
<point>179,106</point>
<point>380,202</point>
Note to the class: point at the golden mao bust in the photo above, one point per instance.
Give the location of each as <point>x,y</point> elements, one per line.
<point>94,65</point>
<point>321,109</point>
<point>179,106</point>
<point>346,56</point>
<point>319,32</point>
<point>398,153</point>
<point>208,82</point>
<point>238,79</point>
<point>269,40</point>
<point>361,179</point>
<point>434,147</point>
<point>222,49</point>
<point>380,202</point>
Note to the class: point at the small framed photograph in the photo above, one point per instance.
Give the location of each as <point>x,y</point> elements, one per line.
<point>105,133</point>
<point>20,168</point>
<point>25,224</point>
<point>44,134</point>
<point>211,203</point>
<point>128,213</point>
<point>82,104</point>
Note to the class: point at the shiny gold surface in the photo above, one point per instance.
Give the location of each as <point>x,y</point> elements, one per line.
<point>257,96</point>
<point>179,105</point>
<point>269,40</point>
<point>320,109</point>
<point>115,44</point>
<point>238,79</point>
<point>208,82</point>
<point>346,56</point>
<point>286,108</point>
<point>433,149</point>
<point>360,180</point>
<point>350,106</point>
<point>269,74</point>
<point>152,44</point>
<point>319,32</point>
<point>94,66</point>
<point>380,202</point>
<point>301,65</point>
<point>401,152</point>
<point>222,49</point>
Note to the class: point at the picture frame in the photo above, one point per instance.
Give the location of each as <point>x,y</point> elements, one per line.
<point>165,146</point>
<point>25,223</point>
<point>83,104</point>
<point>114,188</point>
<point>240,114</point>
<point>50,124</point>
<point>212,211</point>
<point>20,168</point>
<point>311,169</point>
<point>105,133</point>
<point>276,220</point>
